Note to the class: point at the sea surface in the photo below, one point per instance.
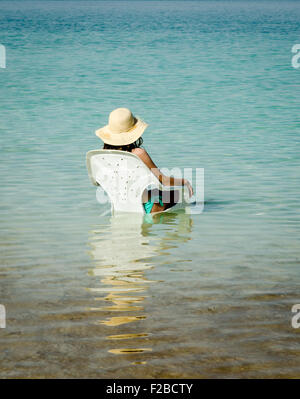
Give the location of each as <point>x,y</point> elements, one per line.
<point>204,295</point>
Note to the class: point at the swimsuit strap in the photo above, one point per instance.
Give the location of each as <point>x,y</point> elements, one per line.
<point>149,204</point>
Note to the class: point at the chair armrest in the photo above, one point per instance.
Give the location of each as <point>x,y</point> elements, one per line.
<point>170,188</point>
<point>183,189</point>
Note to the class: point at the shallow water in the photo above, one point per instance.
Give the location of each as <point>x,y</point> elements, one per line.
<point>200,295</point>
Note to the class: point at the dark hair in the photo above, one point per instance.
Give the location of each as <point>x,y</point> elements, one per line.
<point>127,147</point>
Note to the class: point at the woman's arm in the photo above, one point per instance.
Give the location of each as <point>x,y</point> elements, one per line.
<point>165,180</point>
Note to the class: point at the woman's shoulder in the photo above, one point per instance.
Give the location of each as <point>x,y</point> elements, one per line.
<point>140,152</point>
<point>144,156</point>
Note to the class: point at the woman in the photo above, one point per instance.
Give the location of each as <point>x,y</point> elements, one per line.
<point>124,132</point>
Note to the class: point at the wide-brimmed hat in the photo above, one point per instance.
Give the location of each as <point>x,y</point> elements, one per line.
<point>123,128</point>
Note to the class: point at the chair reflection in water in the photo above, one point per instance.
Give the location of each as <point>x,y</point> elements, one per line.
<point>123,249</point>
<point>125,179</point>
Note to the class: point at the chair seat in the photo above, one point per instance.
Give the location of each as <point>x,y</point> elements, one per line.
<point>124,177</point>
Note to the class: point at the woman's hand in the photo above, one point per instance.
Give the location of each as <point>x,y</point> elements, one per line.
<point>189,186</point>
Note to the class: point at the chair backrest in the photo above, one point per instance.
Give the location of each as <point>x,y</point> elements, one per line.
<point>123,176</point>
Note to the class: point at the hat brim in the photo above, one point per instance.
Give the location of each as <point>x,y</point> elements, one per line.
<point>123,138</point>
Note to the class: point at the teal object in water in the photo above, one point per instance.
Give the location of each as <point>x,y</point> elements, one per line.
<point>149,204</point>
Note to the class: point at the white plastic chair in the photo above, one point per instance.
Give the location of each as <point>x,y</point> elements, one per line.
<point>124,177</point>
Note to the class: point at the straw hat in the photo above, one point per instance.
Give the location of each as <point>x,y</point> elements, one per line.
<point>122,129</point>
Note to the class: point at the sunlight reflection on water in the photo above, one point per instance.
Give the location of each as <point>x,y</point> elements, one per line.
<point>121,253</point>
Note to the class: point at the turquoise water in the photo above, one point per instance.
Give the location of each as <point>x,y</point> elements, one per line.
<point>201,295</point>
